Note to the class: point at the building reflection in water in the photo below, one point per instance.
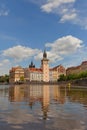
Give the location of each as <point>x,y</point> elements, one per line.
<point>56,93</point>
<point>45,101</point>
<point>16,93</point>
<point>45,95</point>
<point>34,94</point>
<point>59,95</point>
<point>31,94</point>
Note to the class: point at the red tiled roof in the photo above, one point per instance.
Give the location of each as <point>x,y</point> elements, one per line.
<point>35,69</point>
<point>84,62</point>
<point>74,67</point>
<point>14,68</point>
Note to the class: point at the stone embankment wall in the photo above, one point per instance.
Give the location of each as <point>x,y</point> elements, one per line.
<point>80,82</point>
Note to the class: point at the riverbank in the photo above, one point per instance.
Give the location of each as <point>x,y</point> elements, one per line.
<point>78,82</point>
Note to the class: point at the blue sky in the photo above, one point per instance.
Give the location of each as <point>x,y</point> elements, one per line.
<point>27,27</point>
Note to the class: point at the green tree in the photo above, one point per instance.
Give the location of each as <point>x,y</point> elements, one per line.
<point>62,77</point>
<point>22,78</point>
<point>4,78</point>
<point>73,76</point>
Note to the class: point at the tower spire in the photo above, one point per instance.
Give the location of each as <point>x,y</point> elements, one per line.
<point>45,54</point>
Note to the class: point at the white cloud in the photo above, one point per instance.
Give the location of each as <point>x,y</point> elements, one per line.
<point>79,21</point>
<point>60,49</point>
<point>68,15</point>
<point>15,55</point>
<point>63,47</point>
<point>54,57</point>
<point>53,4</point>
<point>63,8</point>
<point>4,66</point>
<point>19,53</point>
<point>66,10</point>
<point>4,62</point>
<point>38,56</point>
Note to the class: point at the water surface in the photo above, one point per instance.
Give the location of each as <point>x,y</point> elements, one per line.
<point>43,107</point>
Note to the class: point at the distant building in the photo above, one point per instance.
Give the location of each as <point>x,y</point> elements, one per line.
<point>77,69</point>
<point>15,74</point>
<point>84,66</point>
<point>33,74</point>
<point>56,71</point>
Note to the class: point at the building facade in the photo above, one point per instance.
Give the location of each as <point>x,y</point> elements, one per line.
<point>16,74</point>
<point>77,69</point>
<point>33,74</point>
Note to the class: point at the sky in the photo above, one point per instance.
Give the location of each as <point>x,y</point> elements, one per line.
<point>27,27</point>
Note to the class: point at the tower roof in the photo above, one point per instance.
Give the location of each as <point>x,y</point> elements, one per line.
<point>31,65</point>
<point>45,54</point>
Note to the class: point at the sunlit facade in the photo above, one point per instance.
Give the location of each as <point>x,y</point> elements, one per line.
<point>77,69</point>
<point>16,74</point>
<point>33,74</point>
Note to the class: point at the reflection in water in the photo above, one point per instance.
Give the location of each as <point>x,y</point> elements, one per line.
<point>56,93</point>
<point>34,94</point>
<point>16,93</point>
<point>31,94</point>
<point>61,106</point>
<point>45,101</point>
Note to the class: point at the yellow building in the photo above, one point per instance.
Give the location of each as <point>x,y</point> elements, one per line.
<point>56,71</point>
<point>15,74</point>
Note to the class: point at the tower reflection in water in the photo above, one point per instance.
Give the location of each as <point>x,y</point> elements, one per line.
<point>45,100</point>
<point>32,94</point>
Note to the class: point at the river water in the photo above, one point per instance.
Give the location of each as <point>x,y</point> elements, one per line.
<point>43,107</point>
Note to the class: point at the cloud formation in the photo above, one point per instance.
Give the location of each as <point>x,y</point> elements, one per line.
<point>19,53</point>
<point>58,50</point>
<point>5,65</point>
<point>4,62</point>
<point>51,5</point>
<point>61,48</point>
<point>66,10</point>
